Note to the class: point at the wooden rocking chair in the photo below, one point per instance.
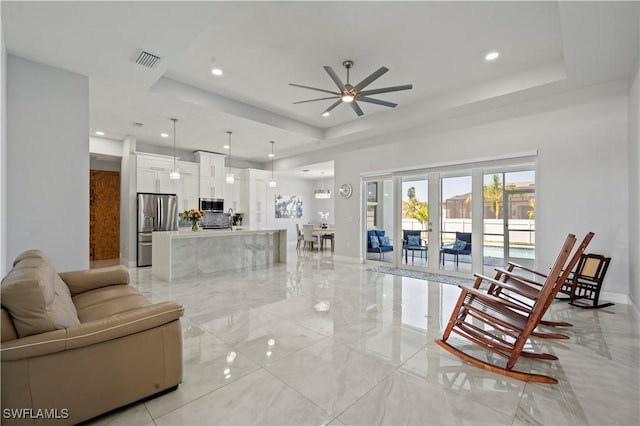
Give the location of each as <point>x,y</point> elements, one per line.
<point>526,288</point>
<point>506,327</point>
<point>586,282</point>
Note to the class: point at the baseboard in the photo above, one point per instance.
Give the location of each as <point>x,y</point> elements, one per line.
<point>622,299</point>
<point>128,263</point>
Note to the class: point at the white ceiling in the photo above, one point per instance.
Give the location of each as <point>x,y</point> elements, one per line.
<point>438,47</point>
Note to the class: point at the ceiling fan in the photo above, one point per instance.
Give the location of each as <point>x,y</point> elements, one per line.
<point>351,94</point>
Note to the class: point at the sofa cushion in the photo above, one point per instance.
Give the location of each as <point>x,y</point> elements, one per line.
<point>384,241</point>
<point>36,298</point>
<point>375,243</point>
<point>108,301</point>
<point>8,331</point>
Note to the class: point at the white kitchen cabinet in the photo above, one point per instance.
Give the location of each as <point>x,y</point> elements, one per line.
<point>147,180</point>
<point>257,198</point>
<point>234,194</point>
<point>153,174</point>
<point>212,174</point>
<point>188,185</point>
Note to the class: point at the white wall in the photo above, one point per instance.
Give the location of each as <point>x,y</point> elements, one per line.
<point>3,151</point>
<point>634,190</point>
<point>47,163</point>
<point>310,206</point>
<point>582,179</point>
<point>104,146</point>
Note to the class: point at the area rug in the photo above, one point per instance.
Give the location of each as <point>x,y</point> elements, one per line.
<point>444,279</point>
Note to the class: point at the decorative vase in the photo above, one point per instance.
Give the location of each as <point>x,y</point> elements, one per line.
<point>194,225</point>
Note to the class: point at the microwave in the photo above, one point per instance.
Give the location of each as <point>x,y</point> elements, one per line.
<point>212,204</point>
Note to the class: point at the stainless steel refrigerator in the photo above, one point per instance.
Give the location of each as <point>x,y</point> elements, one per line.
<point>156,212</point>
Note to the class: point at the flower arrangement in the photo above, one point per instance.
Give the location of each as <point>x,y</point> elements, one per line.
<point>193,216</point>
<point>325,218</point>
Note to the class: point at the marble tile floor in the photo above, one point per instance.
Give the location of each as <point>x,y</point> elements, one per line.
<point>317,341</point>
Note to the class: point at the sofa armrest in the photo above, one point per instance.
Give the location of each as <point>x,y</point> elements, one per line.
<point>81,281</point>
<point>92,332</point>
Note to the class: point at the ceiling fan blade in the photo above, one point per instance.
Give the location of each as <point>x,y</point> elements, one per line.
<point>356,108</point>
<point>313,100</point>
<point>314,88</point>
<point>338,102</point>
<point>386,90</point>
<point>334,77</point>
<point>373,77</point>
<point>377,101</point>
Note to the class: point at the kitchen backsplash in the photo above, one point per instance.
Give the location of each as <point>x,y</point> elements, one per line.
<point>215,220</point>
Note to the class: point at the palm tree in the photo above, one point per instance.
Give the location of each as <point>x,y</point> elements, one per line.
<point>415,209</point>
<point>493,193</point>
<point>532,212</point>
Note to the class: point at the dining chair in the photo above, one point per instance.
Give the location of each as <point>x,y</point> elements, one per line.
<point>300,236</point>
<point>326,237</point>
<point>309,237</point>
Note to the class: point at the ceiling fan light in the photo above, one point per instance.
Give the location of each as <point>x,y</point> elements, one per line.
<point>326,114</point>
<point>347,98</point>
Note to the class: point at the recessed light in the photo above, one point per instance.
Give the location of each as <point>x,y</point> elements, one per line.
<point>271,155</point>
<point>216,71</point>
<point>326,114</point>
<point>164,135</point>
<point>492,56</point>
<point>226,147</point>
<point>99,133</point>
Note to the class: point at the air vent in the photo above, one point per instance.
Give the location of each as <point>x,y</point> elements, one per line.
<point>148,60</point>
<point>136,124</point>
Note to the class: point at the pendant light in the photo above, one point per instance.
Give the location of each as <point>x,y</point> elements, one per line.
<point>272,182</point>
<point>175,173</point>
<point>229,179</point>
<point>322,194</point>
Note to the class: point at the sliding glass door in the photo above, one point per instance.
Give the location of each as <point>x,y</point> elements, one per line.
<point>380,242</point>
<point>415,229</point>
<point>424,220</point>
<point>509,218</point>
<point>456,223</point>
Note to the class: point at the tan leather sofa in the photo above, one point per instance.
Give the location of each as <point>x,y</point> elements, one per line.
<point>79,344</point>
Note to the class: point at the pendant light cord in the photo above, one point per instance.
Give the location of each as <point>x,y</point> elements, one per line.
<point>174,142</point>
<point>229,132</point>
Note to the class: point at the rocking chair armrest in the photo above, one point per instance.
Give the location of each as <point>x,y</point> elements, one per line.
<point>524,268</point>
<point>516,277</point>
<point>515,289</point>
<point>491,298</point>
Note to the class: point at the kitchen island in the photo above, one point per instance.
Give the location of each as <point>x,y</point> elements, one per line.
<point>182,254</point>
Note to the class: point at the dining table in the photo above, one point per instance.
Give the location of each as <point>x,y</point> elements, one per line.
<point>325,234</point>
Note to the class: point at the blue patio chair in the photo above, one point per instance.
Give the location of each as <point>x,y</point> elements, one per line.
<point>462,245</point>
<point>412,240</point>
<point>377,242</point>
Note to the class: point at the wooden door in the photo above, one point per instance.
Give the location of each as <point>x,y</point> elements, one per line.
<point>104,215</point>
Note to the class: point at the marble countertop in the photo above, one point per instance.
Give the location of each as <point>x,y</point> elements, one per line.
<point>207,233</point>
